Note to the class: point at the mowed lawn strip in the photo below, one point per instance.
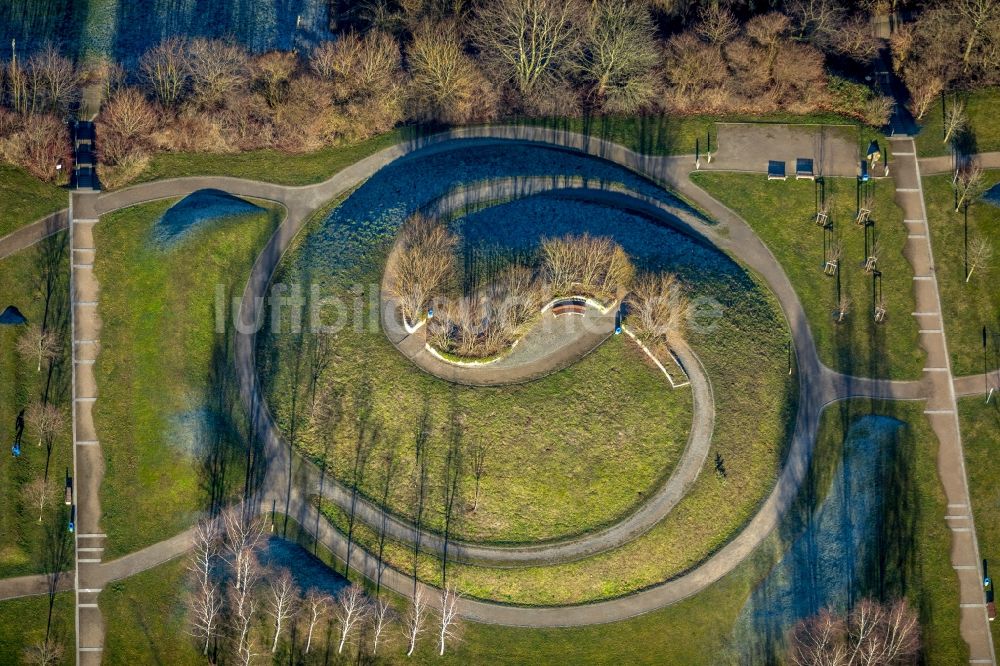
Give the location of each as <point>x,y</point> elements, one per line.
<point>980,424</point>
<point>984,123</point>
<point>27,277</point>
<point>966,306</point>
<point>161,366</point>
<point>783,215</point>
<point>24,198</point>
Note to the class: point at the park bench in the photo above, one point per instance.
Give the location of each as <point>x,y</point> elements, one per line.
<point>577,306</point>
<point>775,170</point>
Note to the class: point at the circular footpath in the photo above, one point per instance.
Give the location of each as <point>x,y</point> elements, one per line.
<point>289,480</point>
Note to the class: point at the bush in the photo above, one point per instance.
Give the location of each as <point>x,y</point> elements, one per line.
<point>36,143</point>
<point>421,265</point>
<point>586,265</point>
<point>125,127</point>
<point>658,311</point>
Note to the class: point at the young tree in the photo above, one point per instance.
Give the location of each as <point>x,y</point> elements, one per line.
<point>317,606</point>
<point>659,310</point>
<point>449,616</point>
<point>352,611</point>
<point>47,652</point>
<point>244,535</point>
<point>38,344</point>
<point>969,185</point>
<point>381,620</point>
<point>38,493</point>
<point>620,54</point>
<point>166,69</point>
<point>414,621</point>
<point>206,602</point>
<point>281,602</point>
<point>531,43</point>
<point>46,420</point>
<point>53,82</point>
<point>980,254</point>
<point>955,120</point>
<point>873,634</point>
<point>925,86</point>
<point>843,306</point>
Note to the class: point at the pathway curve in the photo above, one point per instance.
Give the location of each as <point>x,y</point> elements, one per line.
<point>940,407</point>
<point>818,385</point>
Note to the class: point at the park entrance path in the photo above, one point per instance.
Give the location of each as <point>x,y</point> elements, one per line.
<point>88,460</point>
<point>940,406</point>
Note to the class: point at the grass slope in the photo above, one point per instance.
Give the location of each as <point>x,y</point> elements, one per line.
<point>782,213</point>
<point>24,198</point>
<point>26,278</point>
<point>966,306</point>
<point>24,623</point>
<point>167,413</point>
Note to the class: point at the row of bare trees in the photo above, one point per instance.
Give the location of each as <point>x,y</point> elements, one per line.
<point>240,609</point>
<point>34,97</point>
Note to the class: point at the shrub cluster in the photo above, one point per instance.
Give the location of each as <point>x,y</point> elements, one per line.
<point>421,274</point>
<point>658,311</point>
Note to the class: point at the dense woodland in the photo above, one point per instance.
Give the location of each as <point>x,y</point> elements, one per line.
<point>429,61</point>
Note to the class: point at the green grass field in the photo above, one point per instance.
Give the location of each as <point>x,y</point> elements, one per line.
<point>145,613</point>
<point>745,356</point>
<point>984,126</point>
<point>966,306</point>
<point>980,423</point>
<point>25,621</point>
<point>168,413</point>
<point>782,213</point>
<point>31,278</point>
<point>24,198</point>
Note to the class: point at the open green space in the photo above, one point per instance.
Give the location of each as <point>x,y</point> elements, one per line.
<point>36,281</point>
<point>25,621</point>
<point>144,612</point>
<point>783,215</point>
<point>744,352</point>
<point>24,198</point>
<point>983,125</point>
<point>966,306</point>
<point>980,424</point>
<point>168,416</point>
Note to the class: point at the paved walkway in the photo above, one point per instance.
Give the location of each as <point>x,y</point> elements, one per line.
<point>30,234</point>
<point>749,146</point>
<point>88,460</point>
<point>940,407</point>
<point>930,166</point>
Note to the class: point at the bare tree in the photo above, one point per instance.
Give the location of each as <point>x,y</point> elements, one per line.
<point>449,616</point>
<point>38,493</point>
<point>352,611</point>
<point>620,54</point>
<point>53,82</point>
<point>46,420</point>
<point>166,69</point>
<point>969,185</point>
<point>38,344</point>
<point>206,602</point>
<point>658,310</point>
<point>592,265</point>
<point>716,24</point>
<point>978,16</point>
<point>125,125</point>
<point>980,254</point>
<point>924,86</point>
<point>244,535</point>
<point>217,69</point>
<point>415,617</point>
<point>955,120</point>
<point>381,613</point>
<point>317,606</point>
<point>873,634</point>
<point>359,67</point>
<point>47,652</point>
<point>272,74</point>
<point>531,43</point>
<point>421,264</point>
<point>445,83</point>
<point>281,602</point>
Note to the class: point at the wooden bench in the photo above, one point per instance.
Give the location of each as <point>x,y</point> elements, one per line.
<point>577,306</point>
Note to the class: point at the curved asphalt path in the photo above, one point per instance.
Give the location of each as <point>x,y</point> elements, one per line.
<point>818,385</point>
